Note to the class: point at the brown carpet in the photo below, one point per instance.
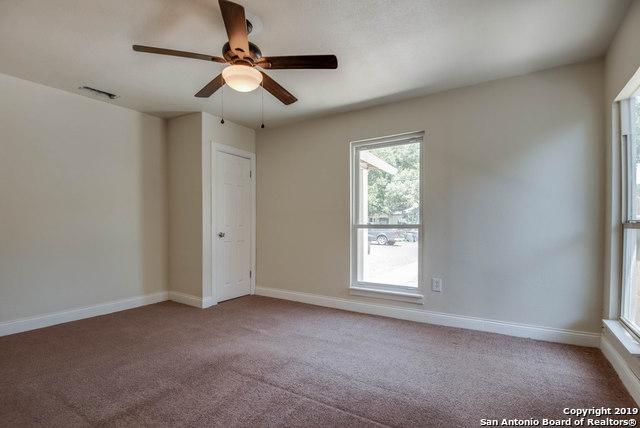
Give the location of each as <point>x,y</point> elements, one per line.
<point>256,361</point>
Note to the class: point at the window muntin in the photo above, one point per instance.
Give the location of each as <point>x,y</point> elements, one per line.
<point>386,237</point>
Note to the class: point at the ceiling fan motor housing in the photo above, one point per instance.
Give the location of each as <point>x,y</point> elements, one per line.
<point>254,54</point>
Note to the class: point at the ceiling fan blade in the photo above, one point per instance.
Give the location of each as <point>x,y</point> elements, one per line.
<point>236,25</point>
<point>171,52</point>
<point>277,91</point>
<point>211,87</point>
<point>300,61</point>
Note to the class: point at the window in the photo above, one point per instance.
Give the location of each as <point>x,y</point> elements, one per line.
<point>386,213</point>
<point>630,125</point>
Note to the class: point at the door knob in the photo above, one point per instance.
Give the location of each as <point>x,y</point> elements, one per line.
<point>221,234</point>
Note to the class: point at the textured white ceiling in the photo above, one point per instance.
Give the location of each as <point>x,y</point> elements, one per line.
<point>387,49</point>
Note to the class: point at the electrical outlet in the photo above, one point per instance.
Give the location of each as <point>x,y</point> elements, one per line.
<point>436,284</point>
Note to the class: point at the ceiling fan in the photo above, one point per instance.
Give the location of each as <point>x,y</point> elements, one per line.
<point>243,57</point>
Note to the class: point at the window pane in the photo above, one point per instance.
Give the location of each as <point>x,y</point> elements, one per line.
<point>388,256</point>
<point>634,173</point>
<point>631,310</point>
<point>389,185</point>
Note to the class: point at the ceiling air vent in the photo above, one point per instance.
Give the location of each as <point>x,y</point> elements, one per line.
<point>98,92</point>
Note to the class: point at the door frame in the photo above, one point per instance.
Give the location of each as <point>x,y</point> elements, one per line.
<point>230,150</point>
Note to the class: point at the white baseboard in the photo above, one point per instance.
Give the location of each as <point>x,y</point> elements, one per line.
<point>191,300</point>
<point>548,334</point>
<point>32,323</point>
<point>628,378</point>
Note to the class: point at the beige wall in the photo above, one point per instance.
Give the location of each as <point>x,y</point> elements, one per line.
<point>228,133</point>
<point>82,201</point>
<point>86,193</point>
<point>184,139</point>
<point>189,141</point>
<point>514,185</point>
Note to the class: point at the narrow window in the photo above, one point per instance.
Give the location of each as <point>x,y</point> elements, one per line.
<point>630,125</point>
<point>386,232</point>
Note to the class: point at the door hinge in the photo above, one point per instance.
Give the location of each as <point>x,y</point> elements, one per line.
<point>250,274</point>
<point>250,174</point>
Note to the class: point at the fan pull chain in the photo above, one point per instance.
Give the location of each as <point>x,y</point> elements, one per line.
<point>222,106</point>
<point>262,105</point>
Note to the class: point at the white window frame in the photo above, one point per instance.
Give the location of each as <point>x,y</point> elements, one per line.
<point>388,291</point>
<point>628,223</point>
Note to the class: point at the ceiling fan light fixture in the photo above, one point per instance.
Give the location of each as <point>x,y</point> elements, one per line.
<point>242,78</point>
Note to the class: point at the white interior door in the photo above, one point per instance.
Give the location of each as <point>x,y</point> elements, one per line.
<point>233,223</point>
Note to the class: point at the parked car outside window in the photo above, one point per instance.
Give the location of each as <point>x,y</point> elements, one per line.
<point>385,236</point>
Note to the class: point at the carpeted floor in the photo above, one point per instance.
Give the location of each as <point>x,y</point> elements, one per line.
<point>256,361</point>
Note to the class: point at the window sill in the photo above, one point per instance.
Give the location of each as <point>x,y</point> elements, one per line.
<point>626,338</point>
<point>401,296</point>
